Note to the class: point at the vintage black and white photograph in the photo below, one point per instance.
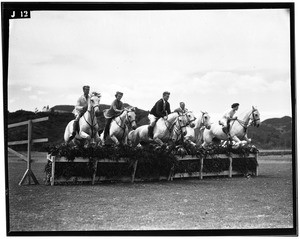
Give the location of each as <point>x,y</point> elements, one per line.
<point>149,118</point>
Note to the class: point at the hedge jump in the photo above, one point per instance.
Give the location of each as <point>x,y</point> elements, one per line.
<point>201,174</point>
<point>173,172</point>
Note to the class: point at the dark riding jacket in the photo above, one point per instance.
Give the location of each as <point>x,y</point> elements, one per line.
<point>158,110</point>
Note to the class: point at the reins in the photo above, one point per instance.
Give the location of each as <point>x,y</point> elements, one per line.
<point>92,114</point>
<point>123,122</point>
<point>246,124</point>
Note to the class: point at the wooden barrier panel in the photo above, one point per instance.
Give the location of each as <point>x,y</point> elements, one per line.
<point>28,174</point>
<point>54,160</point>
<point>172,175</point>
<point>230,172</point>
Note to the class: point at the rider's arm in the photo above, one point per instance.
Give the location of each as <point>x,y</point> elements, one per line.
<point>114,106</point>
<point>231,115</point>
<point>159,109</point>
<point>78,105</point>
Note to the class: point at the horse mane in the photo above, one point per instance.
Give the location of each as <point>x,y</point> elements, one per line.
<point>94,93</point>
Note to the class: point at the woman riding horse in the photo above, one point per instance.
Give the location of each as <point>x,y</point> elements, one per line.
<point>238,129</point>
<point>120,125</point>
<point>116,108</point>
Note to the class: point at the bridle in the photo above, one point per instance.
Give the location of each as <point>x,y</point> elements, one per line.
<point>176,127</point>
<point>188,120</point>
<point>246,124</point>
<point>202,118</point>
<point>254,120</point>
<point>94,122</point>
<point>124,122</point>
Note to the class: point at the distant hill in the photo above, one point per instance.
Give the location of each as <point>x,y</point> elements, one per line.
<point>65,108</point>
<point>274,133</point>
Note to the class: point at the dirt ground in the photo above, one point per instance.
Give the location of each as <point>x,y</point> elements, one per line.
<point>263,202</point>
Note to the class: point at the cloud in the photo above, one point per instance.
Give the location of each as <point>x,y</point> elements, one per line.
<point>13,100</point>
<point>33,97</point>
<point>29,88</point>
<point>40,92</point>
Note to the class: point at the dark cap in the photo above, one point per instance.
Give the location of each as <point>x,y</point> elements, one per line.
<point>235,105</point>
<point>166,93</point>
<point>86,87</point>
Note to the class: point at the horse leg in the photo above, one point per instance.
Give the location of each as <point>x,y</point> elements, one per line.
<point>116,141</point>
<point>247,139</point>
<point>237,140</point>
<point>188,141</point>
<point>97,138</point>
<point>84,135</point>
<point>158,140</point>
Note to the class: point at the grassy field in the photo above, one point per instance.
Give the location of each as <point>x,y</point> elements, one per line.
<point>263,202</point>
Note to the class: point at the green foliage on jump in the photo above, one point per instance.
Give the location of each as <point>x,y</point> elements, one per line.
<point>153,160</point>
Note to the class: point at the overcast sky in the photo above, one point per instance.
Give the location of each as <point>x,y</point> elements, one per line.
<point>208,59</point>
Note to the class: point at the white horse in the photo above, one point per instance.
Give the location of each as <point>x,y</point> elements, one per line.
<point>238,129</point>
<point>88,126</point>
<point>194,134</point>
<point>164,130</point>
<point>119,127</point>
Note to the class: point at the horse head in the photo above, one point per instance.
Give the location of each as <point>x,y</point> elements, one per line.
<point>255,116</point>
<point>180,127</point>
<point>205,120</point>
<point>130,116</point>
<point>94,102</point>
<point>190,118</point>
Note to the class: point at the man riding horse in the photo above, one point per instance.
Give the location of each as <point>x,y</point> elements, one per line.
<point>181,109</point>
<point>80,108</point>
<point>161,109</point>
<point>227,118</point>
<point>115,109</point>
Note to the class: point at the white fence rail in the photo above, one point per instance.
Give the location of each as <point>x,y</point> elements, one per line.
<point>28,173</point>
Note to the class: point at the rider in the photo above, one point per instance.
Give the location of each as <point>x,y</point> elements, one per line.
<point>115,109</point>
<point>227,117</point>
<point>80,108</point>
<point>159,110</point>
<point>181,109</point>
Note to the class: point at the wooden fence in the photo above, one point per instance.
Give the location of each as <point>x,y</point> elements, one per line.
<point>173,174</point>
<point>28,174</point>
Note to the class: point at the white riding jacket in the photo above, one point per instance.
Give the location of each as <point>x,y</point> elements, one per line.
<point>82,103</point>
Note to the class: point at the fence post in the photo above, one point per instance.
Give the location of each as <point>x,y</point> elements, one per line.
<point>256,170</point>
<point>53,158</point>
<point>201,167</point>
<point>28,174</point>
<point>29,147</point>
<point>230,165</point>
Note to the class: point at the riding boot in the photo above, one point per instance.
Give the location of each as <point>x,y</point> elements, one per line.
<point>106,130</point>
<point>150,131</point>
<point>75,129</point>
